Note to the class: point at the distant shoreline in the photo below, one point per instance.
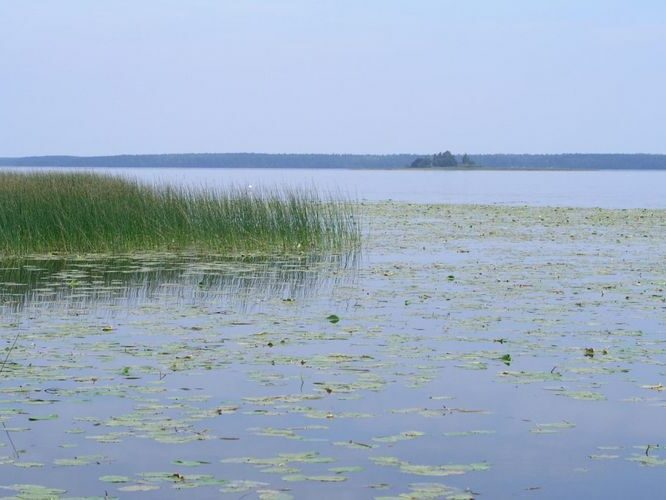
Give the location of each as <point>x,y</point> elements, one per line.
<point>568,162</point>
<point>377,169</point>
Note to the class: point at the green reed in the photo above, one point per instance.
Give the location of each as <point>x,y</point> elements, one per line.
<point>91,213</point>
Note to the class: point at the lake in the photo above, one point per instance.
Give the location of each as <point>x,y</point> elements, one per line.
<point>607,189</point>
<point>467,351</point>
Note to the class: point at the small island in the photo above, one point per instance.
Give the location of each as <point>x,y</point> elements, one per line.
<point>439,160</point>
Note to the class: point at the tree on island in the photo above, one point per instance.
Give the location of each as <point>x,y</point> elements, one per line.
<point>422,162</point>
<point>445,159</point>
<point>466,160</point>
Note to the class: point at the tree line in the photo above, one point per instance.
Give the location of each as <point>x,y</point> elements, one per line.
<point>262,160</point>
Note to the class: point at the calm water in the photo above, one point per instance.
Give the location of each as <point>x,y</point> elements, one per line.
<point>607,189</point>
<point>480,352</point>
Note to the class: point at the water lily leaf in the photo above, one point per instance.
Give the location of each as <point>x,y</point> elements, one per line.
<point>431,491</point>
<point>139,487</point>
<point>654,387</point>
<point>189,463</point>
<point>320,479</point>
<point>552,428</point>
<point>36,418</point>
<point>347,469</point>
<point>242,486</point>
<point>35,492</point>
<point>80,460</point>
<point>442,470</point>
<point>648,460</point>
<point>399,437</point>
<point>469,433</point>
<point>430,470</point>
<point>333,318</point>
<point>386,461</point>
<point>309,457</point>
<point>28,465</point>
<point>354,445</point>
<point>273,495</point>
<point>603,456</point>
<point>583,395</point>
<point>114,479</point>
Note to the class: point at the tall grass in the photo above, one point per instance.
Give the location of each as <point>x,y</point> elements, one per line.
<point>92,213</point>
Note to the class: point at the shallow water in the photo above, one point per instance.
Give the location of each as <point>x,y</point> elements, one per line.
<point>480,351</point>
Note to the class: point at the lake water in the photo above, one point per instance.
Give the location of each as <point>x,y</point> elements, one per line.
<point>607,189</point>
<point>468,352</point>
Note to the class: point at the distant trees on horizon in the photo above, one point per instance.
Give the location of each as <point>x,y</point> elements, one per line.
<point>568,161</point>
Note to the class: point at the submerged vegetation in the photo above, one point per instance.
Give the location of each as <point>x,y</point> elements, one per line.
<point>91,213</point>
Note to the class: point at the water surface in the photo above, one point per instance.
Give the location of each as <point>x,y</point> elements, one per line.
<point>607,189</point>
<point>485,351</point>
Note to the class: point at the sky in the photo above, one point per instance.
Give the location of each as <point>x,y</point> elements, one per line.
<point>101,77</point>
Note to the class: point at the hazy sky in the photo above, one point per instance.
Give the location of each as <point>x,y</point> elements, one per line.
<point>378,76</point>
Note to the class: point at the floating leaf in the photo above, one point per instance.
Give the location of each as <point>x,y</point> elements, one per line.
<point>114,479</point>
<point>469,433</point>
<point>273,495</point>
<point>36,418</point>
<point>189,463</point>
<point>430,470</point>
<point>28,465</point>
<point>552,428</point>
<point>242,486</point>
<point>80,460</point>
<point>347,469</point>
<point>399,437</point>
<point>583,395</point>
<point>35,492</point>
<point>139,487</point>
<point>648,460</point>
<point>320,479</point>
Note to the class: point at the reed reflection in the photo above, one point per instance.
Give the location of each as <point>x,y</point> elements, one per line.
<point>134,280</point>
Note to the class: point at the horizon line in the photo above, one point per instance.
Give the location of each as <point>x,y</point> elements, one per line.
<point>111,155</point>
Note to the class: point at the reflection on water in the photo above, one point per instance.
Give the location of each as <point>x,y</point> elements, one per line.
<point>83,282</point>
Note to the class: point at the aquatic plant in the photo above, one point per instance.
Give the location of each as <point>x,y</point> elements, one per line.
<point>43,212</point>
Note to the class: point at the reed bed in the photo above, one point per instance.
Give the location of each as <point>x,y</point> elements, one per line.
<point>91,213</point>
